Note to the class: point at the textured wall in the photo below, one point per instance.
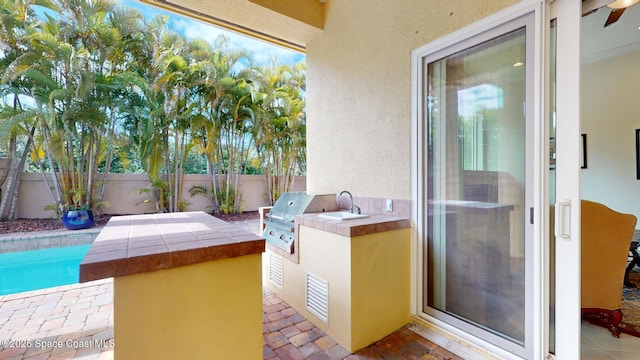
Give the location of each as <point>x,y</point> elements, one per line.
<point>610,109</point>
<point>359,93</point>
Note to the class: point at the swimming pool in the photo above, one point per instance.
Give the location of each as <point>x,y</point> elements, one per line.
<point>38,269</point>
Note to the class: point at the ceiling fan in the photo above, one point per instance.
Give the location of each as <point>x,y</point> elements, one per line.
<point>617,8</point>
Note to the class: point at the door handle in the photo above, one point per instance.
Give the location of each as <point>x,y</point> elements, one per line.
<point>562,223</point>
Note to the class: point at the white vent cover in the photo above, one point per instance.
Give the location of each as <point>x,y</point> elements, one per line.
<point>317,296</point>
<point>275,270</point>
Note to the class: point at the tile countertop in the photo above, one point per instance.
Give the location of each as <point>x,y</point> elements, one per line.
<point>140,243</point>
<point>357,227</point>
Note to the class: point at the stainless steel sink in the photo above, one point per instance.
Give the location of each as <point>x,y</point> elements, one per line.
<point>342,215</point>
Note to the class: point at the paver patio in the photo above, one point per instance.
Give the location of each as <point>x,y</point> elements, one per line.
<point>76,322</point>
<point>66,322</point>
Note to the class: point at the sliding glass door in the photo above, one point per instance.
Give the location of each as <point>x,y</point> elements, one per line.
<point>478,151</point>
<point>489,143</point>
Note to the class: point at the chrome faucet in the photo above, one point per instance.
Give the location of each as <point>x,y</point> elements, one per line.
<point>352,208</point>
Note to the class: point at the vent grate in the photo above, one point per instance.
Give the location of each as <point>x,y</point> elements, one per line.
<point>317,296</point>
<point>275,270</point>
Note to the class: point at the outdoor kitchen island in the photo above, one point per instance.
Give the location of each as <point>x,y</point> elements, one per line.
<point>186,286</point>
<point>352,277</point>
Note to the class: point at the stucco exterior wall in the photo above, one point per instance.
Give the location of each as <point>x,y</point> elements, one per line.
<point>209,310</point>
<point>359,89</point>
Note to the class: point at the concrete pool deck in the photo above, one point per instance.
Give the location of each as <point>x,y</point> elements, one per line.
<point>46,239</point>
<point>76,322</point>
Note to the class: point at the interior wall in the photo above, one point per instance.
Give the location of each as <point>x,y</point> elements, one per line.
<point>610,115</point>
<point>359,90</point>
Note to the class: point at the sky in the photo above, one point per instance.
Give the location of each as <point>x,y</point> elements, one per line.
<point>192,28</point>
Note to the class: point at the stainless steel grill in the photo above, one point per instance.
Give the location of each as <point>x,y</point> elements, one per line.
<point>279,226</point>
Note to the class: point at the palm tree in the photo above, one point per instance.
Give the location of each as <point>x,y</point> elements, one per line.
<point>96,72</point>
<point>79,59</point>
<point>225,118</point>
<point>17,23</point>
<point>162,134</point>
<point>81,50</point>
<point>281,134</point>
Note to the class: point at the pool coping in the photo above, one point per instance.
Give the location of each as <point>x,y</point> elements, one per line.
<point>25,241</point>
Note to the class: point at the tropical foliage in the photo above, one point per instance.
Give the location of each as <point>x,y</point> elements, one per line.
<point>88,86</point>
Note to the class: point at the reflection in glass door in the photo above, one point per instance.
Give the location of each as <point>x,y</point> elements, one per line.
<point>477,173</point>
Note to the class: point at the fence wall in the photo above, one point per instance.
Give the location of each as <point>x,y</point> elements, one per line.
<point>123,196</point>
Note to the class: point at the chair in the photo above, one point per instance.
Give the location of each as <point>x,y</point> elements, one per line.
<point>606,236</point>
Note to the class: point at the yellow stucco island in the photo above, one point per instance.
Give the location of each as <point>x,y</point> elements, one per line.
<point>186,286</point>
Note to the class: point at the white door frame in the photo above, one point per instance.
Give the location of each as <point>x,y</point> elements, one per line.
<point>568,52</point>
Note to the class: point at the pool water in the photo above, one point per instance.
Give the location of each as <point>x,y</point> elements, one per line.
<point>38,269</point>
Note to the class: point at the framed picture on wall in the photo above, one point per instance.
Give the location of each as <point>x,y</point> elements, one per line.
<point>638,154</point>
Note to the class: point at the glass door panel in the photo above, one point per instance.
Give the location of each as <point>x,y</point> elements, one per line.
<point>476,166</point>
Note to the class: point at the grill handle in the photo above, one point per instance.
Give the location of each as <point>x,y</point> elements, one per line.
<point>277,217</point>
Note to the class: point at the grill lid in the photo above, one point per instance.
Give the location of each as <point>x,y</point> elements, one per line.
<point>279,229</point>
<point>291,204</point>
